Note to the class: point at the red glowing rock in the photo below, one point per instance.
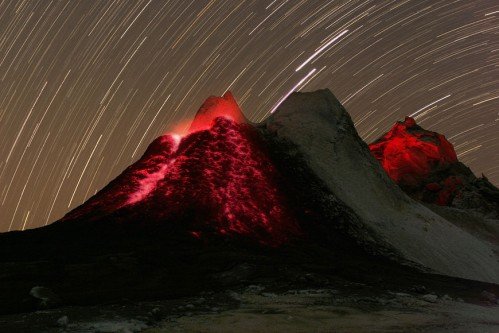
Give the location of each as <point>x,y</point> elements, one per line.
<point>214,107</point>
<point>424,164</point>
<point>409,153</point>
<point>218,177</point>
<point>411,156</point>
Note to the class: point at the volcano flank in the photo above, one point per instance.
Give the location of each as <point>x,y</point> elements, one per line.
<point>219,175</point>
<point>231,203</point>
<point>425,165</point>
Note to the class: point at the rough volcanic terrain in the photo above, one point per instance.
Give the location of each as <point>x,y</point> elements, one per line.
<point>232,209</point>
<point>425,165</point>
<point>216,178</point>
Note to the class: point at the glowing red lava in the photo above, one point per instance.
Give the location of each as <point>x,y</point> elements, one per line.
<point>225,106</point>
<point>219,175</point>
<point>410,155</point>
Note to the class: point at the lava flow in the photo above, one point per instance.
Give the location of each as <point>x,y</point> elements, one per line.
<point>412,157</point>
<point>219,176</point>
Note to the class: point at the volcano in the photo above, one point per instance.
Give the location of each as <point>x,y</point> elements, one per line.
<point>425,165</point>
<point>232,203</point>
<point>218,175</point>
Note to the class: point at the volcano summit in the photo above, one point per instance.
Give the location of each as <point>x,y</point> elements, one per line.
<point>231,202</point>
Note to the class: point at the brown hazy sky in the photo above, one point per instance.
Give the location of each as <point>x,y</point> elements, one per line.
<point>86,85</point>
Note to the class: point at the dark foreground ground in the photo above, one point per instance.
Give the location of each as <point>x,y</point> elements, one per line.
<point>151,278</point>
<point>259,308</point>
<point>199,286</point>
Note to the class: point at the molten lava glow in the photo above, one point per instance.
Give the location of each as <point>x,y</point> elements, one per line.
<point>132,185</point>
<point>222,178</point>
<point>214,107</point>
<point>410,155</point>
<point>216,178</point>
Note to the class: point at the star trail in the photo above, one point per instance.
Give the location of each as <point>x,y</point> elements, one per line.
<point>85,86</point>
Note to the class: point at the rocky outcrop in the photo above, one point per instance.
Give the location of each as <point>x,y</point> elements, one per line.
<point>425,165</point>
<point>410,154</point>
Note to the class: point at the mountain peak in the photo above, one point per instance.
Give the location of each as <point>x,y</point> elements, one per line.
<point>214,107</point>
<point>320,103</point>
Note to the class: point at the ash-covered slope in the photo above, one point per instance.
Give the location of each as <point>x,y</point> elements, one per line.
<point>325,136</point>
<point>425,165</point>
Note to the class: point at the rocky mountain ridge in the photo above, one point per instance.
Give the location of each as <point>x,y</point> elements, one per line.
<point>231,202</point>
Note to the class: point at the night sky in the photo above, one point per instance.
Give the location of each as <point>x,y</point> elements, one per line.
<point>87,85</point>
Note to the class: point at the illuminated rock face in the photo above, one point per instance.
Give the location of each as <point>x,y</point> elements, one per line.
<point>411,156</point>
<point>218,176</point>
<point>409,153</point>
